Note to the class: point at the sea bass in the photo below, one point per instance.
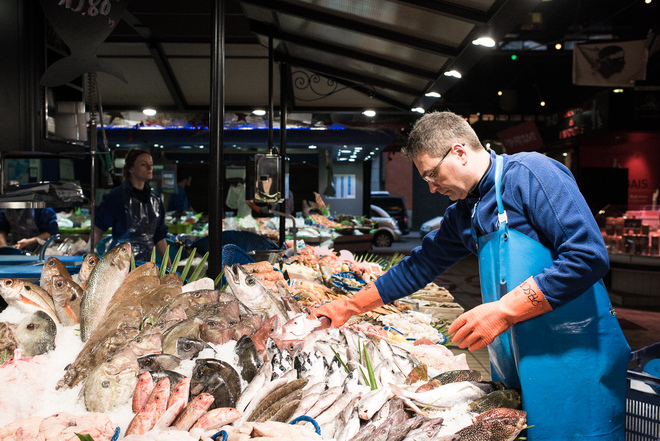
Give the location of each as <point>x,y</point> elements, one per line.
<point>105,279</point>
<point>253,294</point>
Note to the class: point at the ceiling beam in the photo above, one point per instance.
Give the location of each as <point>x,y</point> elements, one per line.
<point>327,18</point>
<point>450,10</point>
<point>271,31</point>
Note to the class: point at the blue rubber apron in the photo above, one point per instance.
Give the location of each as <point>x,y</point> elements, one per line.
<point>570,363</point>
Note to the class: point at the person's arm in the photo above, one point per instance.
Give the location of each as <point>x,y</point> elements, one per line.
<point>161,247</point>
<point>3,239</point>
<point>39,238</point>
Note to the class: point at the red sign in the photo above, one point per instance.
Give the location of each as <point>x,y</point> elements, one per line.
<point>524,137</point>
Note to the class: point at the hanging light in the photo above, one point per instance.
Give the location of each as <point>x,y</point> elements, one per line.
<point>369,113</point>
<point>484,41</point>
<point>432,94</point>
<point>418,110</point>
<point>149,112</point>
<point>453,73</point>
<point>259,112</point>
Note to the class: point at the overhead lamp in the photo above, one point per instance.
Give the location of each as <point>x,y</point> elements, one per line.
<point>418,110</point>
<point>432,94</point>
<point>312,147</point>
<point>259,112</point>
<point>345,151</point>
<point>484,41</point>
<point>149,112</point>
<point>558,46</point>
<point>499,93</point>
<point>369,113</point>
<point>617,90</point>
<point>542,103</point>
<point>453,73</point>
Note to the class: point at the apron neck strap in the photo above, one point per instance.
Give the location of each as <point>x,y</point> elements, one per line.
<point>501,214</point>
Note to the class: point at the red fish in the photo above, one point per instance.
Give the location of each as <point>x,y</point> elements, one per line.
<point>216,418</point>
<point>160,395</point>
<point>270,328</point>
<point>180,392</point>
<point>143,421</point>
<point>193,411</point>
<point>143,389</point>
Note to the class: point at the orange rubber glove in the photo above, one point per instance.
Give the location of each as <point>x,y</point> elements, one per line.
<point>479,326</point>
<point>339,311</point>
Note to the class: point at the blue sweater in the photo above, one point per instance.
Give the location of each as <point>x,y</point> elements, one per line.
<point>542,201</point>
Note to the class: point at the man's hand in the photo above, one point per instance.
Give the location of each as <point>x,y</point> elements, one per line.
<point>479,326</point>
<point>25,242</point>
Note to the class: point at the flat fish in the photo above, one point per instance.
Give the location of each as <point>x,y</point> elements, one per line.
<point>217,378</point>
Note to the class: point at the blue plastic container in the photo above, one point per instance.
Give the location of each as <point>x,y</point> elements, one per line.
<point>643,406</point>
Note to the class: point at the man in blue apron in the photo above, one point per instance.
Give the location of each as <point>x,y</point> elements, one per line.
<point>546,317</point>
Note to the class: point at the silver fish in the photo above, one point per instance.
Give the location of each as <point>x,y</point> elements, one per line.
<point>426,431</point>
<point>253,294</point>
<point>27,297</point>
<point>104,280</point>
<point>36,334</point>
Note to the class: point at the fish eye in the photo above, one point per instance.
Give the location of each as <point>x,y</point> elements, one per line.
<point>59,284</point>
<point>105,384</point>
<point>250,281</point>
<point>8,282</point>
<point>272,330</point>
<point>188,346</point>
<point>138,340</point>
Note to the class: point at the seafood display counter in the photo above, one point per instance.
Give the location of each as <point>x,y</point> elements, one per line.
<point>140,354</point>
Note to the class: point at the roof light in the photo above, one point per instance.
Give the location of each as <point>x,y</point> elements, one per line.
<point>259,112</point>
<point>312,147</point>
<point>369,113</point>
<point>453,73</point>
<point>432,94</point>
<point>149,112</point>
<point>418,110</point>
<point>484,41</point>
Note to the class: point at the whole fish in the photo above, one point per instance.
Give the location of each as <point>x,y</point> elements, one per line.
<point>180,392</point>
<point>285,412</point>
<point>253,387</point>
<point>494,429</point>
<point>459,375</point>
<point>27,297</point>
<point>216,418</point>
<point>500,398</point>
<point>36,334</point>
<point>143,421</point>
<point>170,414</point>
<point>188,299</point>
<point>248,359</point>
<point>105,279</point>
<point>443,397</point>
<point>271,328</point>
<point>160,395</point>
<point>188,348</point>
<point>501,412</point>
<point>326,399</point>
<point>401,430</point>
<point>268,387</point>
<point>174,377</point>
<point>419,373</point>
<point>193,411</point>
<point>372,401</point>
<point>158,362</point>
<point>52,267</point>
<point>142,391</point>
<point>66,299</point>
<point>88,264</point>
<point>217,378</point>
<point>426,431</point>
<point>111,383</point>
<point>253,294</point>
<point>282,407</point>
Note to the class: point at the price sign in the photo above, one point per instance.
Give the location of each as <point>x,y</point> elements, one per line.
<point>83,25</point>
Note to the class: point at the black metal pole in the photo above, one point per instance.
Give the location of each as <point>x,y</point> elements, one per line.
<point>216,144</point>
<point>283,110</point>
<point>271,107</point>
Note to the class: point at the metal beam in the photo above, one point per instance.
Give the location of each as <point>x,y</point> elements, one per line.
<point>450,10</point>
<point>342,22</point>
<point>271,31</point>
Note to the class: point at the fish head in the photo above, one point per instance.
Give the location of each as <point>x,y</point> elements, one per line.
<point>106,389</point>
<point>217,332</point>
<point>299,326</point>
<point>146,344</point>
<point>10,289</point>
<point>244,285</point>
<point>36,334</point>
<point>188,348</point>
<point>202,296</point>
<point>64,290</point>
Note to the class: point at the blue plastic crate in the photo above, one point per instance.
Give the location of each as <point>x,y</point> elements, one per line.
<point>643,406</point>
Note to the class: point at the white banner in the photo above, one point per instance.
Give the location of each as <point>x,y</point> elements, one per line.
<point>617,64</point>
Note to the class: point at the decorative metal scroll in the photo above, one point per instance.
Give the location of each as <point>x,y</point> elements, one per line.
<point>320,86</point>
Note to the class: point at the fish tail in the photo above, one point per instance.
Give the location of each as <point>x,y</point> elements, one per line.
<point>70,68</point>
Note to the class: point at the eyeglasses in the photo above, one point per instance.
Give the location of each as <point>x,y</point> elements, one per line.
<point>430,176</point>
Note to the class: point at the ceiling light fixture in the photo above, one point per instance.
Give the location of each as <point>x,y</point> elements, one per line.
<point>617,90</point>
<point>369,113</point>
<point>259,112</point>
<point>558,46</point>
<point>499,93</point>
<point>418,110</point>
<point>484,41</point>
<point>542,103</point>
<point>453,73</point>
<point>149,112</point>
<point>312,147</point>
<point>432,94</point>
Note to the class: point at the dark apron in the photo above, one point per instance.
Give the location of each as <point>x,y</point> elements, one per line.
<point>23,225</point>
<point>570,363</point>
<point>141,224</point>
